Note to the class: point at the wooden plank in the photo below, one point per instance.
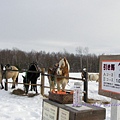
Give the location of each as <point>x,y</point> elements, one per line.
<point>42,81</point>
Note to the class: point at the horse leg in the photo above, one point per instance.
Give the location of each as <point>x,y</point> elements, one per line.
<point>63,87</point>
<point>1,83</point>
<point>15,79</point>
<point>58,86</point>
<point>26,89</point>
<point>13,85</point>
<point>64,83</point>
<point>31,87</point>
<point>35,87</point>
<point>2,87</point>
<point>50,83</point>
<point>52,86</point>
<point>36,90</point>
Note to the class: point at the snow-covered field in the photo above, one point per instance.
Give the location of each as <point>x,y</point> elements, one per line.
<point>13,107</point>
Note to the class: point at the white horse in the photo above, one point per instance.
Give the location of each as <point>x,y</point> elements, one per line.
<point>93,77</point>
<point>58,74</point>
<point>63,71</point>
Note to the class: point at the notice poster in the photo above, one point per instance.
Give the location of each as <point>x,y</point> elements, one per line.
<point>63,114</point>
<point>111,75</point>
<point>49,112</point>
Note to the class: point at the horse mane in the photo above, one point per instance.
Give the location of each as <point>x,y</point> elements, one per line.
<point>66,63</point>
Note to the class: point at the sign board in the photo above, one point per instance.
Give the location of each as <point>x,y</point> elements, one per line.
<point>109,69</point>
<point>49,112</point>
<point>63,114</point>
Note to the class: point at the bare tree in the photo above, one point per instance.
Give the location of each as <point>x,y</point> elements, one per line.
<point>85,51</point>
<point>77,61</point>
<point>79,51</point>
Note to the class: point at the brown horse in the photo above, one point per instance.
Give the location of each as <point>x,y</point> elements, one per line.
<point>10,72</point>
<point>52,77</point>
<point>58,76</point>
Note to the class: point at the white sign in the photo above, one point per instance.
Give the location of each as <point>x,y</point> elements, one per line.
<point>63,114</point>
<point>111,75</point>
<point>49,112</point>
<point>77,95</point>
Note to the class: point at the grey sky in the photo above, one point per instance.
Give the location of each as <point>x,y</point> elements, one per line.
<point>55,25</point>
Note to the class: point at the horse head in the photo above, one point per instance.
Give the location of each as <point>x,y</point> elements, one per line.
<point>34,67</point>
<point>8,67</point>
<point>63,67</point>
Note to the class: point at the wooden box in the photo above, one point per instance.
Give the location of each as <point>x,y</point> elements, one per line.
<point>61,98</point>
<point>59,111</point>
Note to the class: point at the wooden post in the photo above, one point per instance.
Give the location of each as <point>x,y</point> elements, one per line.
<point>86,90</point>
<point>6,85</point>
<point>115,109</point>
<point>42,81</point>
<point>85,73</point>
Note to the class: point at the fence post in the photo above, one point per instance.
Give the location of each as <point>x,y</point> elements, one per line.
<point>86,90</point>
<point>42,80</point>
<point>85,76</point>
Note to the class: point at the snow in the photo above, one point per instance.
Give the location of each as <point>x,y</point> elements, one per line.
<point>14,107</point>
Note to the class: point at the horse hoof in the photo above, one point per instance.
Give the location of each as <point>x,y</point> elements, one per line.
<point>13,87</point>
<point>2,87</point>
<point>26,92</point>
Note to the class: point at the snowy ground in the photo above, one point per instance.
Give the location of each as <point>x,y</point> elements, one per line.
<point>13,107</point>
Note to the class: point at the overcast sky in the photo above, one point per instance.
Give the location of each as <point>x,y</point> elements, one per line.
<point>58,25</point>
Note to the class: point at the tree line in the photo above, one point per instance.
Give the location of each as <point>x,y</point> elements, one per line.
<point>22,59</point>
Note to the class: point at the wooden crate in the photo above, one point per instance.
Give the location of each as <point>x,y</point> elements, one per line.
<point>61,98</point>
